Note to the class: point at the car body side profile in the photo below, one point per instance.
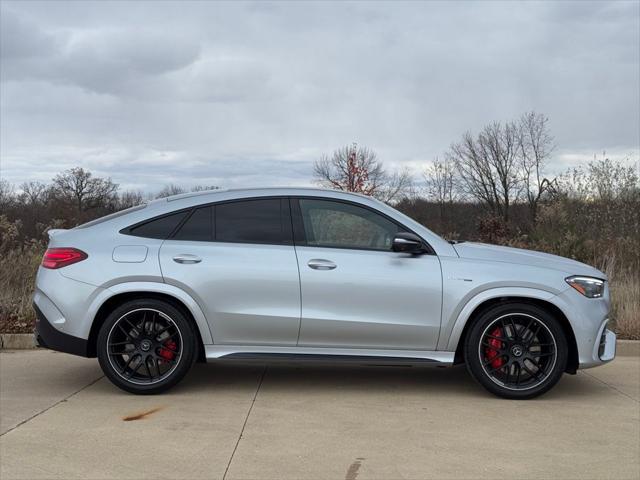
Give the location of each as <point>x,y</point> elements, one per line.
<point>311,274</point>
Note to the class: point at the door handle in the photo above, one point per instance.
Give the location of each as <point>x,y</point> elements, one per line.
<point>187,258</point>
<point>321,264</point>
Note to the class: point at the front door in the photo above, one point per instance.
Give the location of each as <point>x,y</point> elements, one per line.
<point>238,262</point>
<point>357,292</point>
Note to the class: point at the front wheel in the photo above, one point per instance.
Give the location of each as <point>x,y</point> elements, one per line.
<point>146,346</point>
<point>516,350</point>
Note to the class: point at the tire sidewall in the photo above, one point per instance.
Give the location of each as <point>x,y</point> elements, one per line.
<point>473,339</point>
<point>185,362</point>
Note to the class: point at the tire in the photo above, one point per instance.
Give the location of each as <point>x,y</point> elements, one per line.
<point>146,346</point>
<point>516,350</point>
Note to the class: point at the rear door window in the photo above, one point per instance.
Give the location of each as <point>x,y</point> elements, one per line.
<point>253,221</point>
<point>198,227</point>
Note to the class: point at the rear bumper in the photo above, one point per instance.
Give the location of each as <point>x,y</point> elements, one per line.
<point>48,336</point>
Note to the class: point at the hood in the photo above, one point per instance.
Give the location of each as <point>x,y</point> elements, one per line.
<point>484,251</point>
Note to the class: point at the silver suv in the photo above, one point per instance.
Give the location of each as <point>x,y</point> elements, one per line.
<point>308,274</point>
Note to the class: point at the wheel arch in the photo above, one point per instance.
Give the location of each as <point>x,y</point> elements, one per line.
<point>106,305</point>
<point>456,342</point>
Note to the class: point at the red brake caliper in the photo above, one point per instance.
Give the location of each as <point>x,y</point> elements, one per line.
<point>167,352</point>
<point>492,352</point>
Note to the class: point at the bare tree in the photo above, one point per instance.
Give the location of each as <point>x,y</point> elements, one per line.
<point>441,178</point>
<point>7,195</point>
<point>34,193</point>
<point>129,198</point>
<point>536,145</point>
<point>357,169</point>
<point>79,186</point>
<point>488,166</point>
<point>169,190</point>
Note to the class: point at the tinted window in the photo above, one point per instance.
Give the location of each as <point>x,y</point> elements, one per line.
<point>336,224</point>
<point>251,221</point>
<point>160,227</point>
<point>198,226</point>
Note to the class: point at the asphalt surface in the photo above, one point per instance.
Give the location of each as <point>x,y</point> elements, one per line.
<point>60,418</point>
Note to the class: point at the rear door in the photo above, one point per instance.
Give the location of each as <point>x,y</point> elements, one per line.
<point>238,262</point>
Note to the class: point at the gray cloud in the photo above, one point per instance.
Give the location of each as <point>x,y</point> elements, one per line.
<point>249,93</point>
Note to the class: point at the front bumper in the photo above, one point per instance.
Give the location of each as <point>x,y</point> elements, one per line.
<point>48,336</point>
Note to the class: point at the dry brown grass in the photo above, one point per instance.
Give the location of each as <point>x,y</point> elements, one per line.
<point>625,303</point>
<point>18,269</point>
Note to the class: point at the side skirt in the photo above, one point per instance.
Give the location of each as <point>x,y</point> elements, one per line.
<point>319,354</point>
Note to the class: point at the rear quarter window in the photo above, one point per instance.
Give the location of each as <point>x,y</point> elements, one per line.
<point>161,227</point>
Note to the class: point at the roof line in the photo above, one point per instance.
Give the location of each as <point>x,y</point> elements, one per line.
<point>250,189</point>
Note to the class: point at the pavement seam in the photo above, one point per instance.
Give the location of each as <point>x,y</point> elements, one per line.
<point>255,395</point>
<point>52,406</point>
<point>611,386</point>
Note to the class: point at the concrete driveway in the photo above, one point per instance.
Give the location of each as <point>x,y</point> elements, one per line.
<point>61,419</point>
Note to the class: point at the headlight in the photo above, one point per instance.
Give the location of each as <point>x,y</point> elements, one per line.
<point>587,286</point>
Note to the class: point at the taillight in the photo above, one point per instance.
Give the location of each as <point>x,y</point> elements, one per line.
<point>61,257</point>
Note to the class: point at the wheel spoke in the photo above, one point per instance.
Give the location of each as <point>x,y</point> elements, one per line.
<point>504,329</point>
<point>542,354</point>
<point>133,327</point>
<point>119,354</point>
<point>494,369</point>
<point>124,331</point>
<point>161,331</point>
<point>525,336</point>
<point>128,362</point>
<point>515,330</point>
<point>534,334</point>
<point>493,337</point>
<point>531,372</point>
<point>492,347</point>
<point>142,322</point>
<point>146,366</point>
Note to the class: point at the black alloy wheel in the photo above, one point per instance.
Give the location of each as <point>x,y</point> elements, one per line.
<point>146,346</point>
<point>516,350</point>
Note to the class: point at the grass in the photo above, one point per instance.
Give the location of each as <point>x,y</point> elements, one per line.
<point>625,304</point>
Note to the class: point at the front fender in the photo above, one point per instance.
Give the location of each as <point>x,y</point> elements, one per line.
<point>152,287</point>
<point>452,330</point>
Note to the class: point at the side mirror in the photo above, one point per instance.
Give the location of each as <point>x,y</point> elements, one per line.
<point>408,243</point>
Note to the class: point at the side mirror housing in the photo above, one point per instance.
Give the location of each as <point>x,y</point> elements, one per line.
<point>408,243</point>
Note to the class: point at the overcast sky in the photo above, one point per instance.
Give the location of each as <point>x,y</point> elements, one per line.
<point>238,94</point>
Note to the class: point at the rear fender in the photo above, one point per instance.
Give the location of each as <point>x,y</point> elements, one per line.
<point>153,287</point>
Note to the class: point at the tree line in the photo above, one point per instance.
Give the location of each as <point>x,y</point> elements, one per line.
<point>497,178</point>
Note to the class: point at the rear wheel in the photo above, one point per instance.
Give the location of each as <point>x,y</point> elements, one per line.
<point>516,350</point>
<point>146,346</point>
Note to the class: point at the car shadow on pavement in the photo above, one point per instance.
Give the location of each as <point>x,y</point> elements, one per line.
<point>340,378</point>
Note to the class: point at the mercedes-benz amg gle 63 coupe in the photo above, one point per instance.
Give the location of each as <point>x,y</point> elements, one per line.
<point>308,274</point>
